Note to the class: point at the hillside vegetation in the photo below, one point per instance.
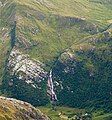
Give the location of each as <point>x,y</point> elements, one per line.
<point>71,37</point>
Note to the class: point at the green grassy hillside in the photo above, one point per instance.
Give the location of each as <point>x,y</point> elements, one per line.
<point>49,26</point>
<point>66,113</point>
<point>72,37</point>
<point>61,113</point>
<point>48,31</point>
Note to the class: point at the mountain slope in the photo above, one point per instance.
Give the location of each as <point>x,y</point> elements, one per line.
<point>72,37</point>
<point>41,20</point>
<point>84,73</point>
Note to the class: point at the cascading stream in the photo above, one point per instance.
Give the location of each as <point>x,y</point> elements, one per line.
<point>50,90</point>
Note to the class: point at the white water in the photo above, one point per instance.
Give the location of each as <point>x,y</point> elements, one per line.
<point>50,89</point>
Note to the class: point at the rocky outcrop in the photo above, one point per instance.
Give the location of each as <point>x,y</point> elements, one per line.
<point>26,69</point>
<point>12,109</point>
<point>25,78</point>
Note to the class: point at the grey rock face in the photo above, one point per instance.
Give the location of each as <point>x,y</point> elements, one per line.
<point>25,68</point>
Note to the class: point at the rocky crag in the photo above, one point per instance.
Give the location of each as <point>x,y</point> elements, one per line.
<point>12,109</point>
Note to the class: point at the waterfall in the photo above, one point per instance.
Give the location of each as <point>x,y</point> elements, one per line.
<point>50,90</point>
